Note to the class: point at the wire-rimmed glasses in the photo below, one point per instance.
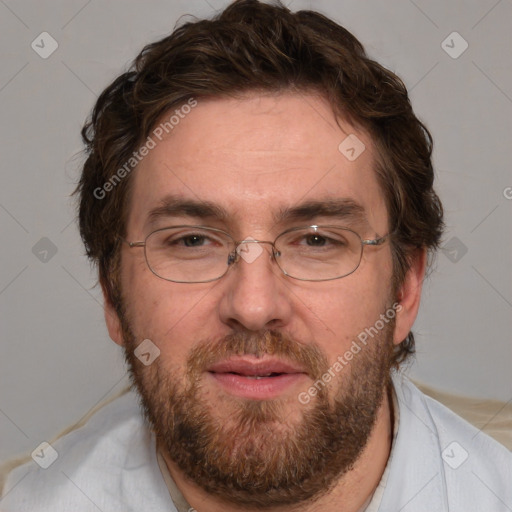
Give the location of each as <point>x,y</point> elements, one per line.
<point>200,254</point>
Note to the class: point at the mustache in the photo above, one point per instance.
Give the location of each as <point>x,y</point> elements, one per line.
<point>265,343</point>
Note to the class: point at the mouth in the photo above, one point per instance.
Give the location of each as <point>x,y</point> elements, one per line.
<point>256,379</point>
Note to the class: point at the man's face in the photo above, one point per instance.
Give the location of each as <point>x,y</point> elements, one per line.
<point>256,159</point>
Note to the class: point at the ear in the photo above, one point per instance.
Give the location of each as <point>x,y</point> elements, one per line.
<point>409,295</point>
<point>112,318</point>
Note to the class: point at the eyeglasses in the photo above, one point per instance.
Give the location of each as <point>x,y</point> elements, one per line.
<point>200,254</point>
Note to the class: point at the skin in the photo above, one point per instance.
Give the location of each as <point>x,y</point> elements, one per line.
<point>253,156</point>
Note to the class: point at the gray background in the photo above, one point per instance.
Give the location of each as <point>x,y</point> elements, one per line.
<point>56,358</point>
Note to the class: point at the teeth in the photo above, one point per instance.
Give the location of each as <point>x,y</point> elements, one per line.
<point>258,376</point>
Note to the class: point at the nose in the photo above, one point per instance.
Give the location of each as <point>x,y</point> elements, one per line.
<point>255,296</point>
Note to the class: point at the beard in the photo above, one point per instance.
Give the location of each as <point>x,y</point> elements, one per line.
<point>257,453</point>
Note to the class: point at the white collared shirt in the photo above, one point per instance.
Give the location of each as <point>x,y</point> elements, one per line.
<point>438,463</point>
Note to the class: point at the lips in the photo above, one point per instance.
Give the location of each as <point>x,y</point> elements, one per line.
<point>254,367</point>
<point>254,378</point>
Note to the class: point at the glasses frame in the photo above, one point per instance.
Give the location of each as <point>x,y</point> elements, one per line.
<point>234,256</point>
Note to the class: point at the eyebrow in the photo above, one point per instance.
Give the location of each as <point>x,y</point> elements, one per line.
<point>342,209</point>
<point>172,206</point>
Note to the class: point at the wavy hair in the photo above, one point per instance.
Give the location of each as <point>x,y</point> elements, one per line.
<point>256,46</point>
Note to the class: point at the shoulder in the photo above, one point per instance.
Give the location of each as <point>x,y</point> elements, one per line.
<point>90,467</point>
<point>449,425</point>
<point>472,469</point>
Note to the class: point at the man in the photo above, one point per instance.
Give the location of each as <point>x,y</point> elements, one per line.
<point>258,197</point>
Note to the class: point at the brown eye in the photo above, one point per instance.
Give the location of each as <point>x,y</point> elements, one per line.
<point>316,240</point>
<point>192,240</point>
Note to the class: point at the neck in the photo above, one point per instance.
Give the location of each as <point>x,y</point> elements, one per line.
<point>350,494</point>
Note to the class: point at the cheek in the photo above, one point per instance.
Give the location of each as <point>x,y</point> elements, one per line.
<point>171,315</point>
<point>341,310</point>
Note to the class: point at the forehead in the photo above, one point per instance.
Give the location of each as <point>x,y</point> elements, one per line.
<point>254,157</point>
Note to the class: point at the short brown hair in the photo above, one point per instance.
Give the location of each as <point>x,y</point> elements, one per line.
<point>255,46</point>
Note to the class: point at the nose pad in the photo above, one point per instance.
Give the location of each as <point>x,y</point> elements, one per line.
<point>250,250</point>
<point>232,258</point>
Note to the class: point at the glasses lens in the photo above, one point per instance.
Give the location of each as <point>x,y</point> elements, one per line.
<point>319,253</point>
<point>188,254</point>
